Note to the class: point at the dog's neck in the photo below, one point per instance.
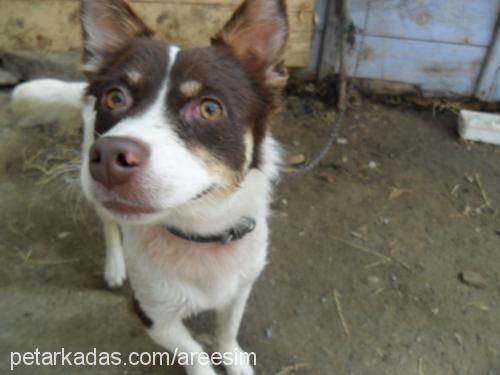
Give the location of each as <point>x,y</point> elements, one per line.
<point>251,200</point>
<point>236,232</point>
<point>216,215</point>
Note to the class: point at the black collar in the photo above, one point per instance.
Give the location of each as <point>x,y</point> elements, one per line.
<point>234,233</point>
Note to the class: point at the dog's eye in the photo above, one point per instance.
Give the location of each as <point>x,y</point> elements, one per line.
<point>115,98</point>
<point>210,109</point>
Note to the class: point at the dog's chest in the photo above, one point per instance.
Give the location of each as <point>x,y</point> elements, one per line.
<point>163,267</point>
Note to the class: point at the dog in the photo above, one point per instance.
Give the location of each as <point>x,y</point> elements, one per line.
<point>178,161</point>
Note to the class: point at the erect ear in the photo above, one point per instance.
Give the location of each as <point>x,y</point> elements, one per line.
<point>107,26</point>
<point>257,34</point>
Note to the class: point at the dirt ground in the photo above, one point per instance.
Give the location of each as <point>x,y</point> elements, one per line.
<point>365,257</point>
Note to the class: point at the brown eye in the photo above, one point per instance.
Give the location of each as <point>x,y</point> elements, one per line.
<point>115,99</point>
<point>210,109</point>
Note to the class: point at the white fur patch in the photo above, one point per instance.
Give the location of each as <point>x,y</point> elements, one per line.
<point>44,101</point>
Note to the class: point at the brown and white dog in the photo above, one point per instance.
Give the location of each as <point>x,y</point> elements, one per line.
<point>177,156</point>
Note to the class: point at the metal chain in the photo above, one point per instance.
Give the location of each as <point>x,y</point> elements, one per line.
<point>345,105</point>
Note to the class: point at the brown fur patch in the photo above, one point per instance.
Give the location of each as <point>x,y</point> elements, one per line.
<point>231,177</point>
<point>257,34</point>
<point>108,26</point>
<point>145,56</point>
<point>223,79</point>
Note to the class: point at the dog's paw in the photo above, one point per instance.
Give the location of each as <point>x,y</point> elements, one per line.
<point>200,370</point>
<point>241,361</point>
<point>115,271</point>
<point>240,369</point>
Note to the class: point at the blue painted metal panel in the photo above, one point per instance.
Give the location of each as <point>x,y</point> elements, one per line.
<point>488,84</point>
<point>438,69</point>
<point>441,46</point>
<point>451,21</point>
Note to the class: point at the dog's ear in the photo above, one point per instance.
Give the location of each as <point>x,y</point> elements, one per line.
<point>257,34</point>
<point>107,26</point>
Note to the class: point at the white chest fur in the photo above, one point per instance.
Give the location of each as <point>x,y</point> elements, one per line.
<point>170,274</point>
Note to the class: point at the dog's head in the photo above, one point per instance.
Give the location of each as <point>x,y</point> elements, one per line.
<point>166,126</point>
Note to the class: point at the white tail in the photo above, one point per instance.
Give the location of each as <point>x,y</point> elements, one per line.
<point>45,101</point>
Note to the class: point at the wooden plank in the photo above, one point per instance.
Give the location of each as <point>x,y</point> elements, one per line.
<point>488,85</point>
<point>438,69</point>
<point>315,49</point>
<point>329,50</point>
<point>450,21</point>
<point>30,24</point>
<point>296,5</point>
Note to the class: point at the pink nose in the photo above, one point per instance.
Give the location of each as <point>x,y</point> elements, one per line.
<point>115,160</point>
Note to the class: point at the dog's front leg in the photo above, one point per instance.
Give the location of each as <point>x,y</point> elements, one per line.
<point>172,334</point>
<point>114,271</point>
<point>228,325</point>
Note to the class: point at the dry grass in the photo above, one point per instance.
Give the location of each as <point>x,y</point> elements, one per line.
<point>437,105</point>
<point>54,163</point>
<point>287,370</point>
<point>340,314</point>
